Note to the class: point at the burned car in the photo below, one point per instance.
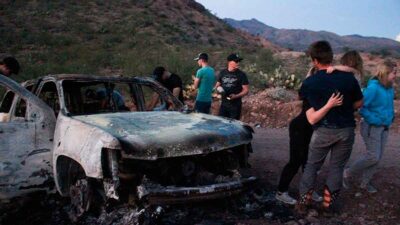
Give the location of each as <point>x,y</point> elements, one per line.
<point>94,137</point>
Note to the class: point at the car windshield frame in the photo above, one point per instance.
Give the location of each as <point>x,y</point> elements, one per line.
<point>135,92</point>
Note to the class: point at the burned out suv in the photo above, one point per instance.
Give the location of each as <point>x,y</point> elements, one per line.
<point>96,137</point>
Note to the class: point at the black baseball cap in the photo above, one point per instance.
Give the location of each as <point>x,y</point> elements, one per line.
<point>234,57</point>
<point>202,56</point>
<point>12,64</point>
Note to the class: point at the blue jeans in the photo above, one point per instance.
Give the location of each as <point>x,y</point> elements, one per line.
<point>202,107</point>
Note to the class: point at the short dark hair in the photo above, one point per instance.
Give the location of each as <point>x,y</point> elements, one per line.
<point>158,72</point>
<point>321,51</point>
<point>12,64</point>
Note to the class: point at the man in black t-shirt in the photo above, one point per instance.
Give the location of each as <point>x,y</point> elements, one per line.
<point>170,81</point>
<point>234,86</point>
<point>334,132</point>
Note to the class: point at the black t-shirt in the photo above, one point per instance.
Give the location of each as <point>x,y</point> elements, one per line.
<point>318,88</point>
<point>232,82</point>
<point>174,81</point>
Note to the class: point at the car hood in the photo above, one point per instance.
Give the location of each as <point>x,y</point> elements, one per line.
<point>152,135</point>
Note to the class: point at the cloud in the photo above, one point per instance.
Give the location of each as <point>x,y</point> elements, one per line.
<point>398,38</point>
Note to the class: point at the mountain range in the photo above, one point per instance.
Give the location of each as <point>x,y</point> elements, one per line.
<point>300,39</point>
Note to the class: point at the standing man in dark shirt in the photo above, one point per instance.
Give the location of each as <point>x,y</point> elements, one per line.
<point>334,133</point>
<point>170,81</point>
<point>234,86</point>
<point>8,66</point>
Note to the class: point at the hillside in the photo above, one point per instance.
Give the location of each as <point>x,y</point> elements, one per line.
<point>299,40</point>
<point>122,37</point>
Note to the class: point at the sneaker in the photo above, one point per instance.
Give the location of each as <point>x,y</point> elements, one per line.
<point>316,197</point>
<point>369,188</point>
<point>285,198</point>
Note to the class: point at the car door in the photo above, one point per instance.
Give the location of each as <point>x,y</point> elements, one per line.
<point>26,141</point>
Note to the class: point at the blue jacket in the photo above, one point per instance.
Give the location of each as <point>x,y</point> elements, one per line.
<point>378,106</point>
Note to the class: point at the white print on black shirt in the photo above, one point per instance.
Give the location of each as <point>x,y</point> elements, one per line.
<point>229,82</point>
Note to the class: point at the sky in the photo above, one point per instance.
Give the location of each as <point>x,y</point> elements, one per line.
<point>378,18</point>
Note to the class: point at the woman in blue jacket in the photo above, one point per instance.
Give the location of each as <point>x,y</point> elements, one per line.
<point>377,115</point>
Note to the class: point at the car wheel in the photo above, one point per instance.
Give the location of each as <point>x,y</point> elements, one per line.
<point>82,197</point>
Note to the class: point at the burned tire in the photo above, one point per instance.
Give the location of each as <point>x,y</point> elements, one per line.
<point>82,198</point>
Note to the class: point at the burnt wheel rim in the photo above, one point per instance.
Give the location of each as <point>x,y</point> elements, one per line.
<point>81,197</point>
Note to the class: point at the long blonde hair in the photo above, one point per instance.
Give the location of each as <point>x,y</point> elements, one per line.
<point>383,72</point>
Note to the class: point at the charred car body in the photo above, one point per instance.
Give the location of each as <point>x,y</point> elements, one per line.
<point>94,135</point>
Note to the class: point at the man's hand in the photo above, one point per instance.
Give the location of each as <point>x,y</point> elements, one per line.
<point>245,91</point>
<point>232,97</point>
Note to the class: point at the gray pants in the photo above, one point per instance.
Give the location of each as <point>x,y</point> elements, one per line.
<point>375,138</point>
<point>339,142</point>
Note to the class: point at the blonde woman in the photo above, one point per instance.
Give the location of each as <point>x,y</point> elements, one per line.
<point>377,115</point>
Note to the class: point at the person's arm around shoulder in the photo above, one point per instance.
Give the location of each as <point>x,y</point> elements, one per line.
<point>342,68</point>
<point>314,117</point>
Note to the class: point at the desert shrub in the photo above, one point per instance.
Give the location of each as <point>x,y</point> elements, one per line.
<point>266,62</point>
<point>278,78</point>
<point>281,78</point>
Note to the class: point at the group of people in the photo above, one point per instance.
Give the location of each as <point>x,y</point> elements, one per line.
<point>231,83</point>
<point>331,96</point>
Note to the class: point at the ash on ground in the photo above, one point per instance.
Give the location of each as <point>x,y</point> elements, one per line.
<point>256,203</point>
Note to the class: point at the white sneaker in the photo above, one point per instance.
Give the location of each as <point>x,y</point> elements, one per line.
<point>316,197</point>
<point>285,198</point>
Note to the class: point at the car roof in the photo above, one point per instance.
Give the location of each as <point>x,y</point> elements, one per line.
<point>59,77</point>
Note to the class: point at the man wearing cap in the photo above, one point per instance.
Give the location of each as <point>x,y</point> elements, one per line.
<point>8,66</point>
<point>204,82</point>
<point>234,85</point>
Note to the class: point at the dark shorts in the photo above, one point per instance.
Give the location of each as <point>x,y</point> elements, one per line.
<point>231,109</point>
<point>202,107</point>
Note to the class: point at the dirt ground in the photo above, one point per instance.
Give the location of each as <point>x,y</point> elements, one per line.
<point>255,206</point>
<point>357,206</point>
